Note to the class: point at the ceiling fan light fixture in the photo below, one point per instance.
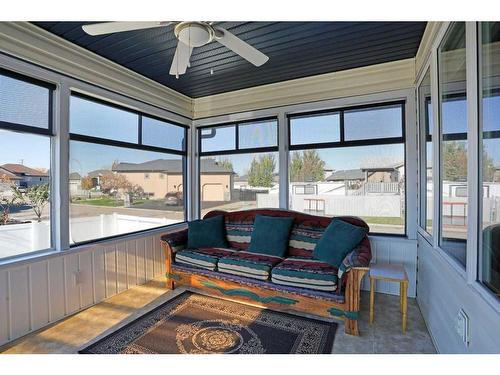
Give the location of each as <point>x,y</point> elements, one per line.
<point>194,34</point>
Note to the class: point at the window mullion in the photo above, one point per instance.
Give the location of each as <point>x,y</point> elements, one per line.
<point>474,184</point>
<point>60,152</point>
<point>283,140</point>
<point>436,137</point>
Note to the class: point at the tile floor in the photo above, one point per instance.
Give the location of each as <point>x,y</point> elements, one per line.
<point>85,327</point>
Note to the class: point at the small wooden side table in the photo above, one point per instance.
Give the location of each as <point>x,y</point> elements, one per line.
<point>390,272</point>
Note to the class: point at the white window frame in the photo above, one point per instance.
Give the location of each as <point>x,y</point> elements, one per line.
<point>470,274</point>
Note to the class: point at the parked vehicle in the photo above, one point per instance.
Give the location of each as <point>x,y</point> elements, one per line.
<point>174,198</point>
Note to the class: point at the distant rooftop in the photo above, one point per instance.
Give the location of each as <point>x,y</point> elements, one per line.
<point>22,170</point>
<point>169,166</point>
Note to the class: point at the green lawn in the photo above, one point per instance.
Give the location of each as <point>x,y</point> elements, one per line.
<point>383,220</point>
<point>107,202</point>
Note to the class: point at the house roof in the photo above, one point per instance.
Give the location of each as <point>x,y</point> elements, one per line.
<point>378,165</point>
<point>348,174</point>
<point>75,176</point>
<point>169,166</point>
<point>98,172</point>
<point>22,170</point>
<point>4,173</point>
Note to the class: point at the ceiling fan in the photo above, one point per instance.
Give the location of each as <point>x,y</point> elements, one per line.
<point>190,35</point>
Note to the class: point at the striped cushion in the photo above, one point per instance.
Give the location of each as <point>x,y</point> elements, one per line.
<point>303,238</point>
<point>239,234</point>
<point>243,263</point>
<point>206,258</point>
<point>304,272</point>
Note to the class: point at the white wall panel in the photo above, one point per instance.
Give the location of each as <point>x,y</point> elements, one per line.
<point>121,266</point>
<point>39,294</point>
<point>158,269</point>
<point>141,260</point>
<point>72,290</point>
<point>110,262</point>
<point>99,275</point>
<point>149,258</point>
<point>86,283</point>
<point>19,301</point>
<point>4,306</point>
<point>56,288</point>
<point>131,263</point>
<point>44,291</point>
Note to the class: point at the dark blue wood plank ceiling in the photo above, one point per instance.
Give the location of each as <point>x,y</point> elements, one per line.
<point>295,50</point>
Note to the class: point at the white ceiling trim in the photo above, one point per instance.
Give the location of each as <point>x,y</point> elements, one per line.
<point>31,43</point>
<point>425,47</point>
<point>353,82</point>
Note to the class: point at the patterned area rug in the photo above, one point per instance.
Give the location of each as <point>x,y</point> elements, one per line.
<point>195,324</point>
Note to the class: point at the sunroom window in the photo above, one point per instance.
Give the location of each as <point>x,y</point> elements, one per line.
<point>127,171</point>
<point>453,142</point>
<point>489,262</point>
<point>426,153</point>
<point>352,163</point>
<point>239,166</point>
<point>25,165</point>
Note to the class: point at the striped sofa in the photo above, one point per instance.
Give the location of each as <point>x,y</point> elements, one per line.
<point>297,282</point>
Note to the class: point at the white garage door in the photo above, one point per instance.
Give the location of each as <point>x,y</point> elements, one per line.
<point>213,193</point>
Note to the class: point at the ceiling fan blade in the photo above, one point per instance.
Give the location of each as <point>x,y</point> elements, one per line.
<point>240,47</point>
<point>117,27</point>
<point>181,59</point>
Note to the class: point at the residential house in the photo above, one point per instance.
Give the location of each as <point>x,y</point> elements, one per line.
<point>24,176</point>
<point>162,176</point>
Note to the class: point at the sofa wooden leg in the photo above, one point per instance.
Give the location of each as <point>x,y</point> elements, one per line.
<point>351,327</point>
<point>170,284</point>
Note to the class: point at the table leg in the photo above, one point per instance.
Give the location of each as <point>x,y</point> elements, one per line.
<point>372,299</point>
<point>405,304</point>
<point>401,297</point>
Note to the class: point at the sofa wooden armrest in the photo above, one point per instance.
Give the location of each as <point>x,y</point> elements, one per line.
<point>170,243</point>
<point>352,297</point>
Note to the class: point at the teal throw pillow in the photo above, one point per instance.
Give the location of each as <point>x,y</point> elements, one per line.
<point>270,235</point>
<point>207,233</point>
<point>338,240</point>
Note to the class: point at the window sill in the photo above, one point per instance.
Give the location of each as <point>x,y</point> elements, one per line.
<point>41,255</point>
<point>126,236</point>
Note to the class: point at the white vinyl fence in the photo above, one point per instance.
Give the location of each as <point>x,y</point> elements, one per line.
<point>335,205</point>
<point>19,239</point>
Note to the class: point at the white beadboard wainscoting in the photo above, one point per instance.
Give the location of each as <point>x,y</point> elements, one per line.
<point>391,250</point>
<point>34,294</point>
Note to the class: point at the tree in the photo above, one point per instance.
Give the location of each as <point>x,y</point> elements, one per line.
<point>112,182</point>
<point>6,200</point>
<point>455,162</point>
<point>36,196</point>
<point>226,164</point>
<point>87,183</point>
<point>306,166</point>
<point>488,167</point>
<point>261,171</point>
